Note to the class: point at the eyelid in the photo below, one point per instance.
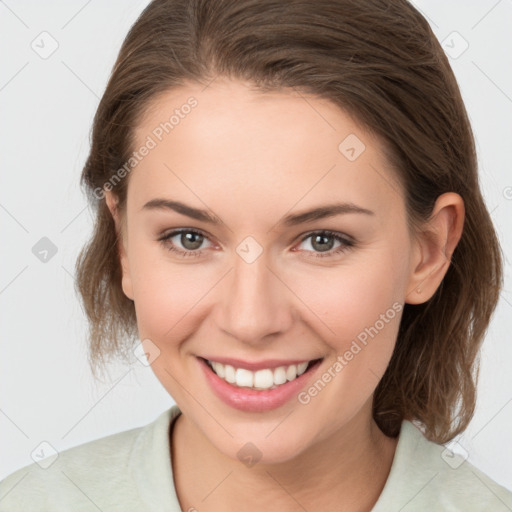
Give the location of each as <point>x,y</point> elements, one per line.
<point>329,232</point>
<point>177,231</point>
<point>346,243</point>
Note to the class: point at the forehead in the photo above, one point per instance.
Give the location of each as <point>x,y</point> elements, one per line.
<point>244,147</point>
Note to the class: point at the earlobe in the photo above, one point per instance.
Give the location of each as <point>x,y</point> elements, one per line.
<point>434,247</point>
<point>126,282</point>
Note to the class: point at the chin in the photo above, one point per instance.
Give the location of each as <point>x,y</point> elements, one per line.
<point>261,448</point>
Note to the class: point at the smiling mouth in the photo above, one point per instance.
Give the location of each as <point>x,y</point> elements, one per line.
<point>264,379</point>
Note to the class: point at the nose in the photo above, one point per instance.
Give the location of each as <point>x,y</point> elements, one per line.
<point>256,305</point>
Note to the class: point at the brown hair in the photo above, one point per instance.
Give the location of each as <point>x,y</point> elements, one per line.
<point>378,60</point>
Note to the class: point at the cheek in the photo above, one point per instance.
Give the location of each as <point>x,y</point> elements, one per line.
<point>350,298</point>
<point>166,294</point>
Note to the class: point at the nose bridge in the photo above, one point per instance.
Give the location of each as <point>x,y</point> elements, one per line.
<point>256,303</point>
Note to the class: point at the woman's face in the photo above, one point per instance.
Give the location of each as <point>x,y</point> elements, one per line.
<point>263,287</point>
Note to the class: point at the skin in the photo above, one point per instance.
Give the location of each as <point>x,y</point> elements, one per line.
<point>252,158</point>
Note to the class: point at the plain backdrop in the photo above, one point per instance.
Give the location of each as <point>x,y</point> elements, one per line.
<point>47,103</point>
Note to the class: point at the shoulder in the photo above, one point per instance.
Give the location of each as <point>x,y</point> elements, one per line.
<point>428,476</point>
<point>104,474</point>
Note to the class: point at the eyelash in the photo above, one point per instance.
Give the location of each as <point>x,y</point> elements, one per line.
<point>346,243</point>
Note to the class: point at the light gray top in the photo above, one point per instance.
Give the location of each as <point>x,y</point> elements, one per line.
<point>132,471</point>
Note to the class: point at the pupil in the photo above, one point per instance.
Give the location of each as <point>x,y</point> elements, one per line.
<point>187,239</point>
<point>323,239</point>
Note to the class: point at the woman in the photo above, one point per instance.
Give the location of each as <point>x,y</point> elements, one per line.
<point>287,209</point>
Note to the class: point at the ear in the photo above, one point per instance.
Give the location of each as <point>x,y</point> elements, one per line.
<point>434,247</point>
<point>126,282</point>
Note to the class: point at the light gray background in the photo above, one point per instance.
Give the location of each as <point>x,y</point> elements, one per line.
<point>47,106</point>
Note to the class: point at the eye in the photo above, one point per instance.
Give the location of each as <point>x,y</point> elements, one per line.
<point>190,239</point>
<point>322,243</point>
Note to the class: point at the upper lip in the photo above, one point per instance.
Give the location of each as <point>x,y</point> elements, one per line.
<point>258,365</point>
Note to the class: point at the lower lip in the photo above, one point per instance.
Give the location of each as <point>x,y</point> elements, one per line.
<point>252,400</point>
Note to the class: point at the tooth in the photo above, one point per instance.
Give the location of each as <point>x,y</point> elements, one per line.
<point>280,375</point>
<point>244,378</point>
<point>230,374</point>
<point>263,379</point>
<point>219,369</point>
<point>291,372</point>
<point>301,368</point>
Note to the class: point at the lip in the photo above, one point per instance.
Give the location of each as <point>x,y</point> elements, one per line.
<point>252,400</point>
<point>258,365</point>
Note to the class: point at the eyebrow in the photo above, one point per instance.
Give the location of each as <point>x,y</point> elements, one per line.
<point>320,212</point>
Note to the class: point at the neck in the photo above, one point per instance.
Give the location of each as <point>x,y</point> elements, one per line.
<point>344,472</point>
